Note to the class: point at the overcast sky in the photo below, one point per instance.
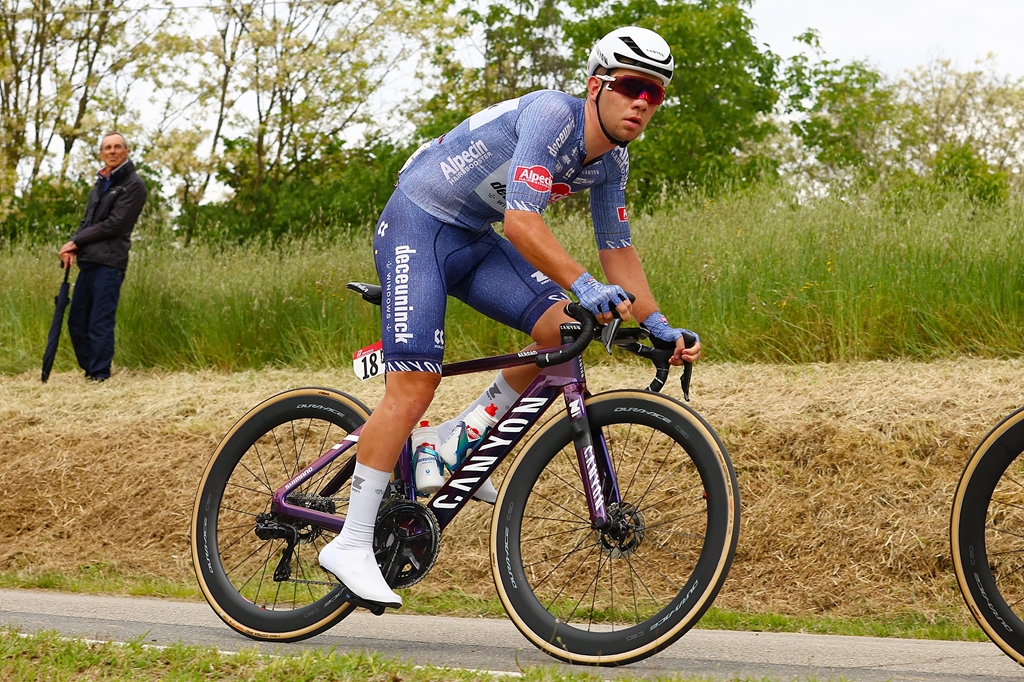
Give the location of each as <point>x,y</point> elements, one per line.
<point>895,35</point>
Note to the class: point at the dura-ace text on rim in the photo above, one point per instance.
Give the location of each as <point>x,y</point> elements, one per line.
<point>259,570</point>
<point>617,594</point>
<point>987,535</point>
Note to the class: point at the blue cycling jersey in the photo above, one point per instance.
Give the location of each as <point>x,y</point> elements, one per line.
<point>519,154</point>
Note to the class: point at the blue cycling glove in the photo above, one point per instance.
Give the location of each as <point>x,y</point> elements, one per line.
<point>596,297</point>
<point>659,328</point>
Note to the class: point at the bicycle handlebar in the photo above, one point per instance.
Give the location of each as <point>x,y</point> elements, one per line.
<point>629,340</point>
<point>589,326</point>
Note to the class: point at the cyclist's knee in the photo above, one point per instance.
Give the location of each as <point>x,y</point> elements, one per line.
<point>545,332</point>
<point>410,393</point>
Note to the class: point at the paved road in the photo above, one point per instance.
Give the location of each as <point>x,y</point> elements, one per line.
<point>497,645</point>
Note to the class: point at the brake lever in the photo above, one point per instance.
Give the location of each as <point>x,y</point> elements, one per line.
<point>684,381</point>
<point>609,331</point>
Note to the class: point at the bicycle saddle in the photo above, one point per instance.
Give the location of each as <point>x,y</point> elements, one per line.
<point>371,293</point>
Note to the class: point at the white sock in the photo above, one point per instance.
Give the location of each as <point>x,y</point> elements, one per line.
<point>368,486</point>
<point>499,392</point>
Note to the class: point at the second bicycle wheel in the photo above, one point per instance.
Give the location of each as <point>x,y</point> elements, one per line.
<point>259,570</point>
<point>620,594</point>
<point>987,535</point>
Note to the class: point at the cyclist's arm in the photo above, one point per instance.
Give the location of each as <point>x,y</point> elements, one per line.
<point>530,235</point>
<point>623,267</point>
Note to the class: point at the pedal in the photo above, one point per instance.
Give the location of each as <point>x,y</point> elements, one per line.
<point>374,607</point>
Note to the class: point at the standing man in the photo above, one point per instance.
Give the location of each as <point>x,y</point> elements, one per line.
<point>435,240</point>
<point>101,245</point>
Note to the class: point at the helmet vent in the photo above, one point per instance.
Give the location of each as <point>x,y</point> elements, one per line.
<point>631,44</point>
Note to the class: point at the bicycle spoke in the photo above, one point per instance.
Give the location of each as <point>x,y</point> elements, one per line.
<point>593,581</point>
<point>559,564</point>
<point>1003,531</point>
<point>639,460</point>
<point>1011,505</point>
<point>251,490</point>
<point>266,483</point>
<point>572,575</point>
<point>547,536</point>
<point>582,519</point>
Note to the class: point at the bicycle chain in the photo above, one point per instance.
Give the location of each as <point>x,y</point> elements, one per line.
<point>313,582</point>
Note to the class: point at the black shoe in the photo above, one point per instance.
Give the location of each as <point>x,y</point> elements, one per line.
<point>96,379</point>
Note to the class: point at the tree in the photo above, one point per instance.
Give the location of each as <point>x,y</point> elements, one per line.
<point>289,84</point>
<point>522,49</point>
<point>846,115</point>
<point>961,168</point>
<point>60,65</point>
<point>981,109</point>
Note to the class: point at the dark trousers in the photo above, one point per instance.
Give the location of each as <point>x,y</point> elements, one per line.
<point>91,318</point>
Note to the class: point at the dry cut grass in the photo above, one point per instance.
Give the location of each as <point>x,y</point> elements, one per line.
<point>846,472</point>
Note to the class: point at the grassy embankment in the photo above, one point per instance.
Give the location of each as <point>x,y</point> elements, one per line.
<point>846,473</point>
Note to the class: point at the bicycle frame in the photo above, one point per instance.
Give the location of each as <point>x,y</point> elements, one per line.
<point>567,379</point>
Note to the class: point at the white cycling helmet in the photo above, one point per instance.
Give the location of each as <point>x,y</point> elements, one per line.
<point>632,47</point>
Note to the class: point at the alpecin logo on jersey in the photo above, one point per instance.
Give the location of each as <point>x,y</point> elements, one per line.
<point>456,166</point>
<point>622,214</point>
<point>559,191</point>
<point>537,178</point>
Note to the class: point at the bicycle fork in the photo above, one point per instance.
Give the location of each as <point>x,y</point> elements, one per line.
<point>599,482</point>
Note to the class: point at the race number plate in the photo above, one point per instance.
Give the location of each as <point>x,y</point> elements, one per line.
<point>368,362</point>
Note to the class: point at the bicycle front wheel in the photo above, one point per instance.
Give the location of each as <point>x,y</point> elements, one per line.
<point>260,570</point>
<point>987,535</point>
<point>620,594</point>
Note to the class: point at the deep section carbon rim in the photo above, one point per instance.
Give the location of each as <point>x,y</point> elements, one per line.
<point>987,535</point>
<point>622,593</point>
<point>259,570</point>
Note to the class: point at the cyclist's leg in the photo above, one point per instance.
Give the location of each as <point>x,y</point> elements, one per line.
<point>506,288</point>
<point>412,316</point>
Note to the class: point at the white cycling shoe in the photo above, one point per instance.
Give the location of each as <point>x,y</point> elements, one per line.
<point>358,571</point>
<point>486,493</point>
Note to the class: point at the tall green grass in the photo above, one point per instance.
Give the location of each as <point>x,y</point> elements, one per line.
<point>759,275</point>
<point>763,278</point>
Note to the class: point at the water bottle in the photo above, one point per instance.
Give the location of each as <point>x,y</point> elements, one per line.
<point>461,442</point>
<point>429,474</point>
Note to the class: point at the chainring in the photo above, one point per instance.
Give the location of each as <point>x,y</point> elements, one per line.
<point>406,541</point>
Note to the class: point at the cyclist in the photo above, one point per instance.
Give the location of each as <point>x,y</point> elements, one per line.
<point>434,239</point>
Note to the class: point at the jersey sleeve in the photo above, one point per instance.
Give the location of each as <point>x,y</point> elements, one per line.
<point>608,203</point>
<point>543,128</point>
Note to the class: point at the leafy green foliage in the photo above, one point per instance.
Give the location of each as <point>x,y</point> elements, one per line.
<point>51,209</point>
<point>48,212</point>
<point>522,52</point>
<point>339,189</point>
<point>960,167</point>
<point>847,111</point>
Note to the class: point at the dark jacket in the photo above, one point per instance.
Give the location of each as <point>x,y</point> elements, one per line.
<point>104,235</point>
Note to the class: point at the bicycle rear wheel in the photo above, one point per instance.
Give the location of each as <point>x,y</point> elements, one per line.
<point>987,535</point>
<point>621,594</point>
<point>235,567</point>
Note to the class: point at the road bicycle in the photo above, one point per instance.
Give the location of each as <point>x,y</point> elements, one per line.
<point>613,531</point>
<point>987,534</point>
